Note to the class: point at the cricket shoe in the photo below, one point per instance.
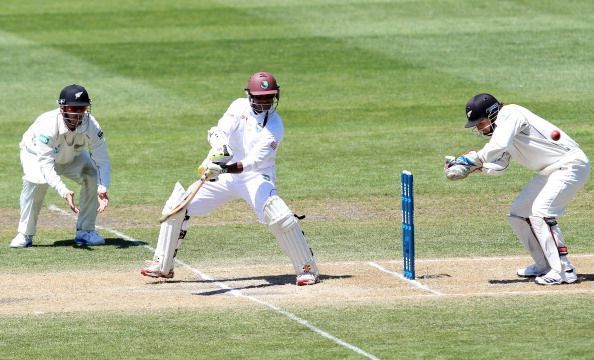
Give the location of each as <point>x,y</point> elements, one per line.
<point>555,278</point>
<point>533,270</point>
<point>152,269</point>
<point>88,237</point>
<point>307,279</point>
<point>22,241</point>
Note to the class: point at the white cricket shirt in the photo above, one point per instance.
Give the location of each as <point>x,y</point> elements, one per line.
<point>527,138</point>
<point>52,143</point>
<point>254,143</point>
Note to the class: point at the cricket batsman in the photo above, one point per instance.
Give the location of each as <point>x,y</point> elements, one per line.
<point>240,164</point>
<point>54,146</point>
<point>561,169</point>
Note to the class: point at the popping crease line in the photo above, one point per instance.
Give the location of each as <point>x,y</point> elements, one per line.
<point>400,276</point>
<point>238,293</point>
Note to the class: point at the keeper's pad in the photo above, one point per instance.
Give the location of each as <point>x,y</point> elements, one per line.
<point>172,231</point>
<point>551,241</point>
<point>286,229</point>
<point>521,227</point>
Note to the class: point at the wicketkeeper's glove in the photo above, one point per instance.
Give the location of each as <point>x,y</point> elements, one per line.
<point>462,166</point>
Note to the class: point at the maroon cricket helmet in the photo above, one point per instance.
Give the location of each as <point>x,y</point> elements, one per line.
<point>262,83</point>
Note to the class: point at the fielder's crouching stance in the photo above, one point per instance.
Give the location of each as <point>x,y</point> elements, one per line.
<point>562,167</point>
<point>240,164</point>
<point>54,147</point>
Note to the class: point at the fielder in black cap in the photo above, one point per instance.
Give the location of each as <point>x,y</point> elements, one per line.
<point>54,146</point>
<point>74,104</point>
<point>561,169</point>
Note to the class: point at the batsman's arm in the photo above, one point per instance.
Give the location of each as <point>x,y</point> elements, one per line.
<point>263,155</point>
<point>235,168</point>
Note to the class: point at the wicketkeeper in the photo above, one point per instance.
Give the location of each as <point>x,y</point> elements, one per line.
<point>54,146</point>
<point>562,170</point>
<point>241,164</point>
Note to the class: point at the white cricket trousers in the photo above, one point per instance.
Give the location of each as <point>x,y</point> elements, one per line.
<point>254,188</point>
<point>548,196</point>
<point>81,170</point>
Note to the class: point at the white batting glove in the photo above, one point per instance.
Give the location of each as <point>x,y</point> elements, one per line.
<point>221,155</point>
<point>215,161</point>
<point>217,138</point>
<point>211,170</point>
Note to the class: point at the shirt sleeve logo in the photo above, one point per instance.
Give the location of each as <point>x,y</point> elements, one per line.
<point>274,145</point>
<point>100,134</point>
<point>44,139</point>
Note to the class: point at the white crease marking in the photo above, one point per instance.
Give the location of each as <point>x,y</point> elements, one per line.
<point>238,293</point>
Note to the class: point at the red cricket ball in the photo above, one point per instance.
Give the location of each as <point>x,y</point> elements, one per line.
<point>555,135</point>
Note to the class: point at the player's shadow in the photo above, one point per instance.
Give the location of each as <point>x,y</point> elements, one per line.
<point>511,281</point>
<point>432,276</point>
<point>270,280</point>
<point>585,277</point>
<point>118,243</point>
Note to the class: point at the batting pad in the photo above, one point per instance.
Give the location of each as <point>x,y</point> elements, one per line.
<point>521,227</point>
<point>170,236</point>
<point>176,197</point>
<point>286,229</point>
<point>171,231</point>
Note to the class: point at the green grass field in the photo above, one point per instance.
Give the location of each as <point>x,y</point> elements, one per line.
<point>369,88</point>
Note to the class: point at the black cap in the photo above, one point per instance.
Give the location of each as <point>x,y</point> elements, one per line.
<point>74,95</point>
<point>479,107</point>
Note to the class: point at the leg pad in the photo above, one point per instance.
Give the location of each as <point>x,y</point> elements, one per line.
<point>286,229</point>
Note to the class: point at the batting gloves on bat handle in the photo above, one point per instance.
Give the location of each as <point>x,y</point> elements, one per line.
<point>462,166</point>
<point>221,155</point>
<point>215,161</point>
<point>211,170</point>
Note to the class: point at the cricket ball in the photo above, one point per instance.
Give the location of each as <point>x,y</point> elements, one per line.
<point>555,135</point>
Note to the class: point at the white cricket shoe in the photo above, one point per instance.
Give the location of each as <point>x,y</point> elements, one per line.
<point>307,279</point>
<point>88,237</point>
<point>22,241</point>
<point>533,270</point>
<point>555,278</point>
<point>152,268</point>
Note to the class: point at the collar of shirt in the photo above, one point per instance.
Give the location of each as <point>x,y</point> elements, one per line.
<point>263,117</point>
